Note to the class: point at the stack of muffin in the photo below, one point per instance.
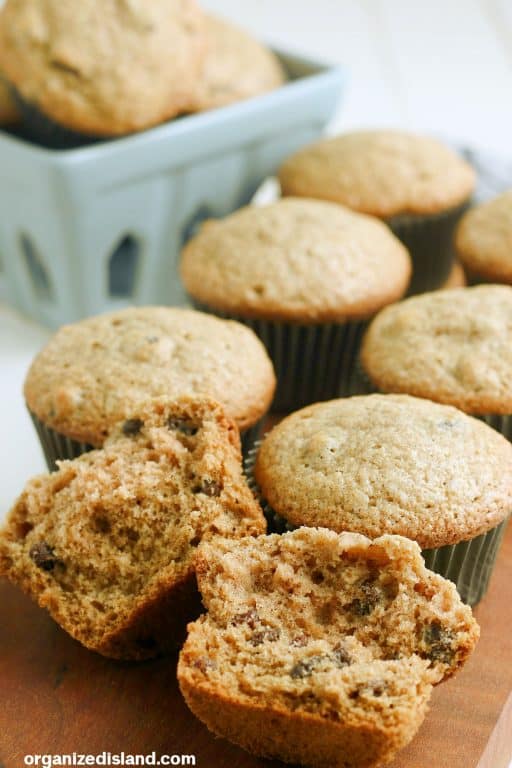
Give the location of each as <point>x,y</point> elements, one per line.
<point>329,627</point>
<point>78,72</point>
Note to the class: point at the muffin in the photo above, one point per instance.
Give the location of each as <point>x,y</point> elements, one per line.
<point>92,374</point>
<point>318,648</point>
<point>9,114</point>
<point>454,347</point>
<point>414,183</point>
<point>484,241</point>
<point>306,275</point>
<point>236,66</point>
<point>394,464</point>
<point>106,544</point>
<point>102,69</point>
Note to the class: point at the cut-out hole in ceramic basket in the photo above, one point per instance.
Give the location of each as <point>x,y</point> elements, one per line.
<point>37,272</point>
<point>123,267</point>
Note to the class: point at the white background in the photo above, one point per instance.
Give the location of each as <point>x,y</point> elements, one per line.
<point>441,66</point>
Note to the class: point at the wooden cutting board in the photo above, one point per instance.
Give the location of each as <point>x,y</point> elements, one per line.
<point>56,697</point>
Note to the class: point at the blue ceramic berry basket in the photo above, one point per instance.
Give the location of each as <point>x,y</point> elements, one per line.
<point>93,229</point>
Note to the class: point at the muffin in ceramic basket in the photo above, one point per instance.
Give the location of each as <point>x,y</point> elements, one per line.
<point>236,66</point>
<point>100,69</point>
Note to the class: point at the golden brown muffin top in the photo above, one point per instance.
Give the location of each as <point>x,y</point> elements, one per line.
<point>388,464</point>
<point>384,173</point>
<point>236,66</point>
<point>484,240</point>
<point>93,373</point>
<point>104,68</point>
<point>297,260</point>
<point>453,346</point>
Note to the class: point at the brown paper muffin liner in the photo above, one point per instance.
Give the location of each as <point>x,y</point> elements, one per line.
<point>57,447</point>
<point>468,564</point>
<point>40,129</point>
<point>502,423</point>
<point>251,436</point>
<point>275,523</point>
<point>311,362</point>
<point>429,240</point>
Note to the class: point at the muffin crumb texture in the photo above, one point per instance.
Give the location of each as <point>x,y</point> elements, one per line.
<point>319,648</point>
<point>107,543</point>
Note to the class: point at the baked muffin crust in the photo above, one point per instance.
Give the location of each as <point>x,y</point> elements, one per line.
<point>9,114</point>
<point>454,347</point>
<point>384,173</point>
<point>296,260</point>
<point>103,68</point>
<point>236,66</point>
<point>93,373</point>
<point>484,239</point>
<point>393,464</point>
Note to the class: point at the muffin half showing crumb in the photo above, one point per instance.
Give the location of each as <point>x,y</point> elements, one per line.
<point>107,543</point>
<point>321,648</point>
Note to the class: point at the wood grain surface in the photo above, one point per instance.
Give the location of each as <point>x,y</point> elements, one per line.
<point>56,697</point>
<point>499,747</point>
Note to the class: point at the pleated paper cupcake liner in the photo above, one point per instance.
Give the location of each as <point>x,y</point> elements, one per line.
<point>468,564</point>
<point>251,435</point>
<point>500,422</point>
<point>275,523</point>
<point>429,240</point>
<point>311,362</point>
<point>57,447</point>
<point>39,128</point>
<point>364,383</point>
